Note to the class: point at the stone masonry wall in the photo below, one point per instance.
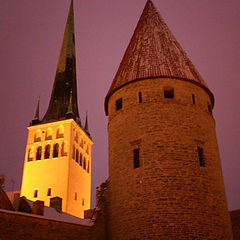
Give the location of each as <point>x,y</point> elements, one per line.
<point>170,196</point>
<point>22,226</point>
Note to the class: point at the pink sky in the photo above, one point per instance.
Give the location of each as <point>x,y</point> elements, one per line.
<point>30,41</point>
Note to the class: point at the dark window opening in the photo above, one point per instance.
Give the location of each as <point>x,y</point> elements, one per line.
<point>84,164</point>
<point>55,150</point>
<point>140,97</point>
<point>73,152</point>
<point>83,202</point>
<point>77,156</point>
<point>168,92</point>
<point>47,152</point>
<point>81,157</point>
<point>35,193</point>
<point>119,104</point>
<point>210,108</point>
<point>193,98</point>
<point>39,153</point>
<point>88,167</point>
<point>201,157</point>
<point>136,160</point>
<point>49,192</point>
<point>75,196</point>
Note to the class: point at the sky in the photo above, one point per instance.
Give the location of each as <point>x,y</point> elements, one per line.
<point>30,42</point>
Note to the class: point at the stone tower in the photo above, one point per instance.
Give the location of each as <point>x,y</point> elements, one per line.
<point>58,151</point>
<point>165,176</point>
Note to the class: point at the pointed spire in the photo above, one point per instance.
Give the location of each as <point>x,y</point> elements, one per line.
<point>36,117</point>
<point>65,79</point>
<point>86,124</point>
<point>153,52</point>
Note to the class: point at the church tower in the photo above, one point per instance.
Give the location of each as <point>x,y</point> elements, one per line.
<point>58,151</point>
<point>165,176</point>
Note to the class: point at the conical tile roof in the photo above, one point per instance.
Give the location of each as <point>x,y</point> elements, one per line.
<point>65,79</point>
<point>153,52</point>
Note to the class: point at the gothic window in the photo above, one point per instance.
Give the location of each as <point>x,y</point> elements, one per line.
<point>30,154</point>
<point>140,97</point>
<point>77,156</point>
<point>201,157</point>
<point>88,166</point>
<point>37,136</point>
<point>39,153</point>
<point>73,152</point>
<point>168,92</point>
<point>49,192</point>
<point>63,149</point>
<point>47,152</point>
<point>81,159</point>
<point>136,159</point>
<point>55,150</point>
<point>49,133</point>
<point>75,196</point>
<point>84,163</point>
<point>35,195</point>
<point>60,132</point>
<point>87,149</point>
<point>81,143</point>
<point>119,104</point>
<point>76,137</point>
<point>193,98</point>
<point>83,202</point>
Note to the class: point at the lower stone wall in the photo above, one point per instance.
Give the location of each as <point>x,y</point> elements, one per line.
<point>235,219</point>
<point>21,226</point>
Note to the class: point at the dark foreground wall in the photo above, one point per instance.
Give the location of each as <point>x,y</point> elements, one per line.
<point>235,219</point>
<point>21,226</point>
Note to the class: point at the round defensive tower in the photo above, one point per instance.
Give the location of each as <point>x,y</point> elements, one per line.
<point>165,176</point>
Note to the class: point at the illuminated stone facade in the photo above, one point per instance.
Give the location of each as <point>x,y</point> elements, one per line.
<point>58,163</point>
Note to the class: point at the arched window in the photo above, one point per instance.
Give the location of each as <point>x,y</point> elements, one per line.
<point>60,132</point>
<point>87,149</point>
<point>63,150</point>
<point>88,166</point>
<point>81,143</point>
<point>49,133</point>
<point>55,150</point>
<point>76,137</point>
<point>84,163</point>
<point>73,152</point>
<point>39,153</point>
<point>77,156</point>
<point>37,136</point>
<point>30,154</point>
<point>81,162</point>
<point>47,152</point>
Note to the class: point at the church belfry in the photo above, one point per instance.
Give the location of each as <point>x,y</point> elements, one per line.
<point>58,151</point>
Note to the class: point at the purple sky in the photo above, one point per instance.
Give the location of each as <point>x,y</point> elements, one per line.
<point>30,41</point>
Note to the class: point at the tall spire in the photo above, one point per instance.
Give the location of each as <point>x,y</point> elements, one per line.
<point>153,52</point>
<point>65,79</point>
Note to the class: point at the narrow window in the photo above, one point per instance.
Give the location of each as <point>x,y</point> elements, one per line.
<point>193,98</point>
<point>119,104</point>
<point>168,92</point>
<point>55,150</point>
<point>84,164</point>
<point>47,152</point>
<point>210,108</point>
<point>35,193</point>
<point>83,202</point>
<point>75,196</point>
<point>49,192</point>
<point>140,97</point>
<point>77,156</point>
<point>88,167</point>
<point>30,155</point>
<point>201,157</point>
<point>73,152</point>
<point>136,161</point>
<point>81,162</point>
<point>39,153</point>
